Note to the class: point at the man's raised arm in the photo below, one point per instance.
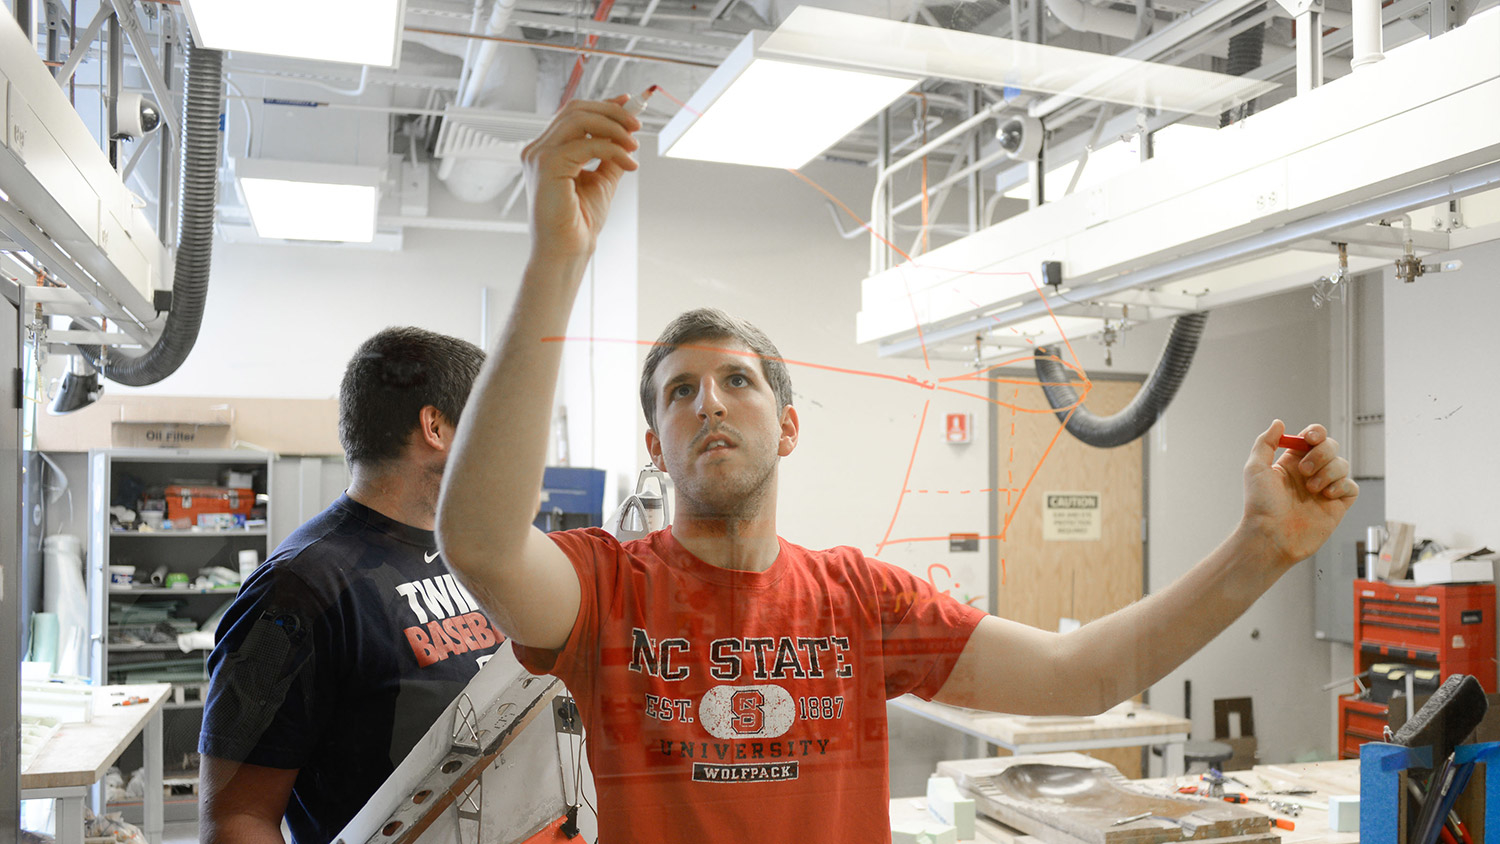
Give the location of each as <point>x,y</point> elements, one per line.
<point>1292,505</point>
<point>489,487</point>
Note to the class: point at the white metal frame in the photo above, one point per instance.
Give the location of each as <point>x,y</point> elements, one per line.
<point>1324,161</point>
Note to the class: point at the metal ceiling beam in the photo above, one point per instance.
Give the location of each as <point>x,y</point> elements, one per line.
<point>24,232</point>
<point>146,60</point>
<point>1206,17</point>
<point>677,38</point>
<point>1127,123</point>
<point>81,49</point>
<point>1485,177</point>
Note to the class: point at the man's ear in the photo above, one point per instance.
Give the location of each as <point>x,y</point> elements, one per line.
<point>653,449</point>
<point>435,429</point>
<point>789,428</point>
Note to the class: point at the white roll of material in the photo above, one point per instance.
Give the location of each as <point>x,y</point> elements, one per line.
<point>63,593</point>
<point>249,559</point>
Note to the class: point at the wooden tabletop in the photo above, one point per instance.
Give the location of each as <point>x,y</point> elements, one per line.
<point>1327,779</point>
<point>1126,721</point>
<point>79,754</point>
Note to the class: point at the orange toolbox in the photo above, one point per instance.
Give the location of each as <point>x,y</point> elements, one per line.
<point>190,502</point>
<point>1447,626</point>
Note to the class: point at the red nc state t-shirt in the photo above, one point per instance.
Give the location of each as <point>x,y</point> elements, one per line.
<point>745,706</point>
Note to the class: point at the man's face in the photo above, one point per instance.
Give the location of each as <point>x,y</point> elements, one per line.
<point>719,432</point>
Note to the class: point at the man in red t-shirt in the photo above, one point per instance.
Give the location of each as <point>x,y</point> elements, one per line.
<point>733,684</point>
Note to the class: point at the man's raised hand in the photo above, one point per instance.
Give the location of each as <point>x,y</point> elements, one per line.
<point>569,203</point>
<point>1296,500</point>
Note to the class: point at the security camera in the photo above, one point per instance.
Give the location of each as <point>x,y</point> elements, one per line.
<point>138,116</point>
<point>1020,135</point>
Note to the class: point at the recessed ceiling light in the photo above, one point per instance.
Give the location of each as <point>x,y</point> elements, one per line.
<point>296,200</point>
<point>366,32</point>
<point>774,112</point>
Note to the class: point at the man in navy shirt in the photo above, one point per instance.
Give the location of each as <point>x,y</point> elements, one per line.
<point>345,646</point>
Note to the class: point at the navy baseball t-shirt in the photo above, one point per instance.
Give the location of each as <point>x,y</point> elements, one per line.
<point>336,657</point>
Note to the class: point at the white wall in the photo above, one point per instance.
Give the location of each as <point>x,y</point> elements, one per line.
<point>282,321</point>
<point>1442,361</point>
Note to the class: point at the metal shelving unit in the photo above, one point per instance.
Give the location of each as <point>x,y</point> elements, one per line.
<point>117,477</point>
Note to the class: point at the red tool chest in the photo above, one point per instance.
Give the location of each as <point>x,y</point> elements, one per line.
<point>1450,627</point>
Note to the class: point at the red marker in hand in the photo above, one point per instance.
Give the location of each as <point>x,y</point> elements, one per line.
<point>1293,443</point>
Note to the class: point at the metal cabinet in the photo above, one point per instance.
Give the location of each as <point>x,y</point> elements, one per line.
<point>133,626</point>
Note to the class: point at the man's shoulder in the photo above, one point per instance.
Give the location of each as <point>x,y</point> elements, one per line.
<point>846,556</point>
<point>346,529</point>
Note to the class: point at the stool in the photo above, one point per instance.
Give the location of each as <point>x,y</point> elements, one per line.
<point>1213,754</point>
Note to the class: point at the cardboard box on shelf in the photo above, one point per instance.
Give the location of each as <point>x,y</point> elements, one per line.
<point>283,426</point>
<point>170,435</point>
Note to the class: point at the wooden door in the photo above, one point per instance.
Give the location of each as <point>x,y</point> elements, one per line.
<point>1042,580</point>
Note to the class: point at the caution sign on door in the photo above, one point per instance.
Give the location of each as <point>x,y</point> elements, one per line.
<point>1070,516</point>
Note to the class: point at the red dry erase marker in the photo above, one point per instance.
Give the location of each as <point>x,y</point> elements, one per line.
<point>1293,443</point>
<point>637,103</point>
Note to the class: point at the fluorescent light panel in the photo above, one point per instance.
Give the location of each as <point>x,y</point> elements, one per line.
<point>298,200</point>
<point>878,44</point>
<point>365,32</point>
<point>775,113</point>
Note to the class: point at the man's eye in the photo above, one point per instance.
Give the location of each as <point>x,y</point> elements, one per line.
<point>738,380</point>
<point>681,391</point>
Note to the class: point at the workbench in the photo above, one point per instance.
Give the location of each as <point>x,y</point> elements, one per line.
<point>1128,725</point>
<point>1326,779</point>
<point>77,756</point>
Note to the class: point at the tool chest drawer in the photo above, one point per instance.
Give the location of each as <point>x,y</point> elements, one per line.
<point>1449,624</point>
<point>1359,721</point>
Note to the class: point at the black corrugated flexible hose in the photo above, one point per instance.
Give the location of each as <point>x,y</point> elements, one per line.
<point>1246,51</point>
<point>1150,401</point>
<point>203,75</point>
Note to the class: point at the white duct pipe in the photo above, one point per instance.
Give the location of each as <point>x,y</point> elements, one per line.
<point>474,76</point>
<point>1367,35</point>
<point>1080,15</point>
<point>476,73</point>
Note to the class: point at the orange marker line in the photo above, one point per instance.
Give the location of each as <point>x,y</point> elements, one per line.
<point>906,540</point>
<point>900,379</point>
<point>1035,410</point>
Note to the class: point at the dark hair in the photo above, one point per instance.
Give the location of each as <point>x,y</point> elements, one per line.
<point>713,324</point>
<point>392,376</point>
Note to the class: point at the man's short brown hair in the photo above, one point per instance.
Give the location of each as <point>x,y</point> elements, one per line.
<point>713,324</point>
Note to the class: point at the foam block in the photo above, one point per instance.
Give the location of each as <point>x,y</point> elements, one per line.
<point>949,805</point>
<point>1343,813</point>
<point>923,832</point>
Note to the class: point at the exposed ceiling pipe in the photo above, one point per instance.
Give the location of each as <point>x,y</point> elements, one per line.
<point>1085,17</point>
<point>614,78</point>
<point>600,14</point>
<point>474,75</point>
<point>1367,33</point>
